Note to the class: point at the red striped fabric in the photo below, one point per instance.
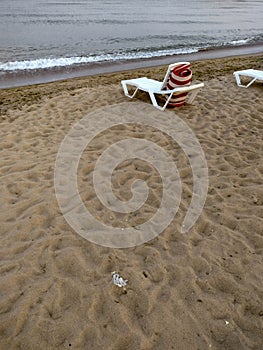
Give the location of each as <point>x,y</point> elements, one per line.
<point>181,75</point>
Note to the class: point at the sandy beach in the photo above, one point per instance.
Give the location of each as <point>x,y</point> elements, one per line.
<point>199,290</point>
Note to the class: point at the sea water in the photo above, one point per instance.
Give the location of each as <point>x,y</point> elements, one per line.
<point>38,34</point>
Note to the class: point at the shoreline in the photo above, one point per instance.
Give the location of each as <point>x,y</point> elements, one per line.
<point>26,78</point>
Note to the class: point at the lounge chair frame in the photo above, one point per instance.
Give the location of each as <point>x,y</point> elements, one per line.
<point>251,73</point>
<point>154,87</point>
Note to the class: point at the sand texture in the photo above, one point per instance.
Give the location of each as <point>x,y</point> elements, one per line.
<point>199,290</point>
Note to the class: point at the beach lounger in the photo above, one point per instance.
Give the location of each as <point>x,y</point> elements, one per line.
<point>175,87</point>
<point>250,73</point>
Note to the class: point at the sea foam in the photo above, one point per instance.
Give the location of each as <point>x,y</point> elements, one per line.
<point>43,63</point>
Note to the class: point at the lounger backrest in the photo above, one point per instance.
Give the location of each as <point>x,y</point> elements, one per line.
<point>178,75</point>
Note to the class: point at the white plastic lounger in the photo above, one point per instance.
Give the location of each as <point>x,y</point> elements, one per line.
<point>251,73</point>
<point>154,87</point>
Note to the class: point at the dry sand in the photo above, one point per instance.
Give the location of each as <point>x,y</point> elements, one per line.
<point>201,290</point>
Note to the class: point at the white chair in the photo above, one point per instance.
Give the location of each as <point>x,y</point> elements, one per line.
<point>154,87</point>
<point>251,73</point>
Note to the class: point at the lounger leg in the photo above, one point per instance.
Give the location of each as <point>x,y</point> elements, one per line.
<point>126,92</point>
<point>239,82</point>
<point>167,101</point>
<point>250,83</point>
<point>162,108</point>
<point>155,104</point>
<point>192,95</point>
<point>237,79</point>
